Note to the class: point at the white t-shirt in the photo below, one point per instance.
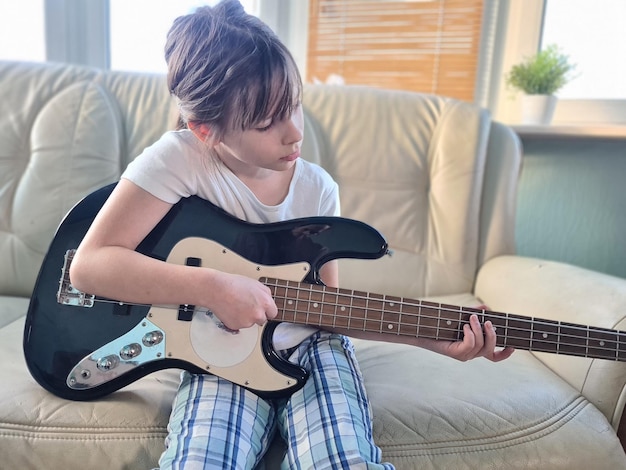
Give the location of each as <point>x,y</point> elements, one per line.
<point>178,165</point>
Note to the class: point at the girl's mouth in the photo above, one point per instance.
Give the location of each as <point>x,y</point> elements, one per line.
<point>292,157</point>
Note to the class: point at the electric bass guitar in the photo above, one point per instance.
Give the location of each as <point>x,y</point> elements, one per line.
<point>82,347</point>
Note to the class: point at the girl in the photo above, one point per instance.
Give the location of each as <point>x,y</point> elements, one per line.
<point>239,94</point>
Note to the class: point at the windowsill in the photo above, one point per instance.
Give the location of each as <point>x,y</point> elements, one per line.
<point>572,131</point>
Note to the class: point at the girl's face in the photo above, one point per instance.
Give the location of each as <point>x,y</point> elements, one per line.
<point>270,145</point>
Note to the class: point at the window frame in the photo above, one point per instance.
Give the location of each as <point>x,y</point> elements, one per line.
<point>513,32</point>
<point>520,36</point>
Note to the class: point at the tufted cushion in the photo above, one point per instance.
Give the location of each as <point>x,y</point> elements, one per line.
<point>418,181</point>
<point>64,146</point>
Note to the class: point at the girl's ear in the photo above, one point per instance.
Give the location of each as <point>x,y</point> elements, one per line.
<point>203,132</point>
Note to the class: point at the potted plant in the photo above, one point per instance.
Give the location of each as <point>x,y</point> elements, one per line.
<point>539,77</point>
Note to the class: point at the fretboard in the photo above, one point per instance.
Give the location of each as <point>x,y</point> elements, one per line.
<point>327,307</point>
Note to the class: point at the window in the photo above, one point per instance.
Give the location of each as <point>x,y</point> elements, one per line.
<point>528,24</point>
<point>139,46</point>
<point>22,31</point>
<point>600,74</point>
<point>428,46</point>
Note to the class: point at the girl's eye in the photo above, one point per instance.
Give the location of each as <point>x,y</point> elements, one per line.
<point>265,126</point>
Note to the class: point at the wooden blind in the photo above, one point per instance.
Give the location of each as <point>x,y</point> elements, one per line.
<point>426,46</point>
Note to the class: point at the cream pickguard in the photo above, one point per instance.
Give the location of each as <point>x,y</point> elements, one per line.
<point>238,356</point>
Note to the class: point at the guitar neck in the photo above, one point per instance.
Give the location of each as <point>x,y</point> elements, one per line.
<point>327,307</point>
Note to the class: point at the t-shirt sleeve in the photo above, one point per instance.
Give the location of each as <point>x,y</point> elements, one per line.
<point>166,169</point>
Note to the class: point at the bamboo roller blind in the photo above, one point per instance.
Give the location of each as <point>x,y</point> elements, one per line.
<point>426,46</point>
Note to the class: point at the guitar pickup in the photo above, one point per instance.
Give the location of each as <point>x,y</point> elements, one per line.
<point>185,312</point>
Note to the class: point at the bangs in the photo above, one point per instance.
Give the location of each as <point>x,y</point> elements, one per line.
<point>273,94</point>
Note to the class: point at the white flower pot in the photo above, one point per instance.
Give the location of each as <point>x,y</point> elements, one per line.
<point>538,109</point>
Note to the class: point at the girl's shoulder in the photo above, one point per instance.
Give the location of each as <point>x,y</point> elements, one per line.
<point>183,141</point>
<point>169,167</point>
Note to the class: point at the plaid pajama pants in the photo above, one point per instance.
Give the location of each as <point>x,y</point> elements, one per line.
<point>326,425</point>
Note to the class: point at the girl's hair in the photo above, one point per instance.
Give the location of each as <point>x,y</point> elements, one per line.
<point>229,70</point>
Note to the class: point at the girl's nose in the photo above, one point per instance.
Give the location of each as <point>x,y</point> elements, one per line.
<point>293,130</point>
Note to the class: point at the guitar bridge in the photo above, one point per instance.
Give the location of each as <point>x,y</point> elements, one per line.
<point>68,294</point>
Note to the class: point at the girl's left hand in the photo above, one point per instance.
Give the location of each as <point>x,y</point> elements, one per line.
<point>478,341</point>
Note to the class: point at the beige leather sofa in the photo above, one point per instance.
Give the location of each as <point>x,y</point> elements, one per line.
<point>437,177</point>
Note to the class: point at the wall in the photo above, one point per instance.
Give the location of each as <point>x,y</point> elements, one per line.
<point>572,201</point>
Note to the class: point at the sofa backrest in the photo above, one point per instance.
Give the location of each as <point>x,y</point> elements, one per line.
<point>434,175</point>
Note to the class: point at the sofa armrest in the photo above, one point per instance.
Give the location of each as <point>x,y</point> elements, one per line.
<point>562,292</point>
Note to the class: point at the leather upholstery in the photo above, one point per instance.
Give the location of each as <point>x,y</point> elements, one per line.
<point>436,176</point>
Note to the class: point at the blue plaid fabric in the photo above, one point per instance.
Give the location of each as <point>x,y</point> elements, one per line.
<point>327,424</point>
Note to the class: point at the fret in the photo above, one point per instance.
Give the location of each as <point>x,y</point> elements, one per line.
<point>450,320</point>
<point>438,321</point>
<point>621,352</point>
<point>284,295</point>
<point>429,320</point>
<point>357,320</point>
<point>345,307</point>
<point>603,343</point>
<point>460,323</point>
<point>328,312</point>
<point>344,302</point>
<point>335,304</point>
<point>280,291</point>
<point>308,307</point>
<point>545,335</point>
<point>360,322</point>
<point>519,333</point>
<point>389,320</point>
<point>315,307</point>
<point>375,306</point>
<point>405,314</point>
<point>499,322</point>
<point>419,319</point>
<point>293,302</point>
<point>391,311</point>
<point>409,315</point>
<point>574,340</point>
<point>506,332</point>
<point>359,305</point>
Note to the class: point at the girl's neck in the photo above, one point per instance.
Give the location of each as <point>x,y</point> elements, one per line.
<point>269,186</point>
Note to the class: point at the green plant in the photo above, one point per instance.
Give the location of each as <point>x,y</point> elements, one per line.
<point>542,74</point>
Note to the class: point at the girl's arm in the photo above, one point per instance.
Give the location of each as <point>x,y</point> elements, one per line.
<point>106,264</point>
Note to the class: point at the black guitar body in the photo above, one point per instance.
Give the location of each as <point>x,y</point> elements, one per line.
<point>58,336</point>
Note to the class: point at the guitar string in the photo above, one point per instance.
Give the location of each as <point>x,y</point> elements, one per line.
<point>421,331</point>
<point>425,316</point>
<point>537,323</point>
<point>341,293</point>
<point>419,304</point>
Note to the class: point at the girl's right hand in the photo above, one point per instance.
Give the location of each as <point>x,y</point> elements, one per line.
<point>240,302</point>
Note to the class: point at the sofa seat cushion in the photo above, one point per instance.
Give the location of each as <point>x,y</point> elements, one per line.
<point>429,412</point>
<point>125,430</point>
